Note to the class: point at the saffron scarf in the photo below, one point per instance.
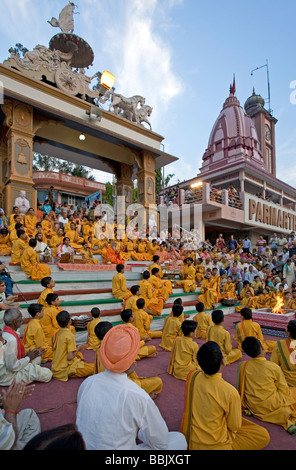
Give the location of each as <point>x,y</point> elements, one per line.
<point>187,413</point>
<point>20,347</point>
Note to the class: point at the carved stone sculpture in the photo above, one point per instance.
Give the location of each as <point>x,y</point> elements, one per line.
<point>66,19</point>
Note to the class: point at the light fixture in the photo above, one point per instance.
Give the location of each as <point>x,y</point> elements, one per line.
<point>107,80</point>
<point>82,137</point>
<point>196,185</point>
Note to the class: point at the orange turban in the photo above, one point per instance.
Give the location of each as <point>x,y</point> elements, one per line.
<point>119,348</point>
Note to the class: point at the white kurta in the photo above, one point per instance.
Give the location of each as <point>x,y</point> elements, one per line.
<point>20,369</point>
<point>112,411</point>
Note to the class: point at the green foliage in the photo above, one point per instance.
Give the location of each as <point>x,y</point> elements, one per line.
<point>160,182</point>
<point>47,163</point>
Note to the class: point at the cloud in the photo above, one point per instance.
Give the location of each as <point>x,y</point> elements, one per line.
<point>141,55</point>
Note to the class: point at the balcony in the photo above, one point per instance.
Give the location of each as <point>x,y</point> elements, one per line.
<point>63,182</point>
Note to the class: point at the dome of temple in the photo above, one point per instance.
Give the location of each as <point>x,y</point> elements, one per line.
<point>233,138</point>
<point>253,102</point>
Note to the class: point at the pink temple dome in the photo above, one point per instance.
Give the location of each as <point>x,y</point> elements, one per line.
<point>233,138</point>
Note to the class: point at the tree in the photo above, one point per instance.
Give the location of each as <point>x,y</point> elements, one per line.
<point>109,194</point>
<point>19,49</point>
<point>160,182</point>
<point>46,163</point>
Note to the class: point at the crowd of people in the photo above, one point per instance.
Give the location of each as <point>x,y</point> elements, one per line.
<point>229,270</point>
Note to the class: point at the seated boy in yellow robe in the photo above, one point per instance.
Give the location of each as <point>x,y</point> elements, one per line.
<point>160,289</point>
<point>248,301</point>
<point>217,333</point>
<point>228,290</point>
<point>184,352</point>
<point>156,264</point>
<point>74,237</point>
<point>248,327</point>
<point>208,296</point>
<point>171,328</point>
<point>263,388</point>
<point>212,417</point>
<point>203,319</point>
<point>153,303</point>
<point>67,359</point>
<point>33,336</point>
<point>30,222</point>
<point>283,354</point>
<point>48,321</point>
<point>199,270</point>
<point>128,317</point>
<point>152,385</point>
<point>48,283</point>
<point>187,275</point>
<point>5,243</point>
<point>92,340</point>
<point>85,251</point>
<point>119,289</point>
<point>30,263</point>
<point>18,246</point>
<point>143,321</point>
<point>247,288</point>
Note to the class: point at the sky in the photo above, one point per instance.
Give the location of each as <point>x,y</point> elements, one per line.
<point>181,56</point>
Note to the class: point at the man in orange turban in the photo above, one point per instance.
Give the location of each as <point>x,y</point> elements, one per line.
<point>113,411</point>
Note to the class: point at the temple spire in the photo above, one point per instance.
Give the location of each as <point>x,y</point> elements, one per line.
<point>232,87</point>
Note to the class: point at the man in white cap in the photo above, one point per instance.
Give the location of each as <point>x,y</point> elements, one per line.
<point>113,411</point>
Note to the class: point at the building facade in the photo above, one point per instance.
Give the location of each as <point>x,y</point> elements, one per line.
<point>236,186</point>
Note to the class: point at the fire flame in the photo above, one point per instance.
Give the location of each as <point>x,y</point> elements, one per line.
<point>278,306</point>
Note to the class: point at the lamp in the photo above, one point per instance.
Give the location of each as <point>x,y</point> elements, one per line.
<point>82,137</point>
<point>196,185</point>
<point>107,80</point>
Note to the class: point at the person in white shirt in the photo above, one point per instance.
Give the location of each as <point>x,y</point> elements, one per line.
<point>113,411</point>
<point>17,364</point>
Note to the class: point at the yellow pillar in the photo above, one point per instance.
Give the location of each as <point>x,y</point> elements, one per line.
<point>124,183</point>
<point>146,180</point>
<point>19,126</point>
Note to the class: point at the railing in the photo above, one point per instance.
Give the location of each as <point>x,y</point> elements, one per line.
<point>205,193</point>
<point>63,178</point>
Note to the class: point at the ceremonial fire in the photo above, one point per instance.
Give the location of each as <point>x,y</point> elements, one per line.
<point>278,306</point>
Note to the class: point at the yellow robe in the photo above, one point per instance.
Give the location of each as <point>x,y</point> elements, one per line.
<point>250,302</point>
<point>188,283</point>
<point>183,357</point>
<point>251,328</point>
<point>31,266</point>
<point>54,242</point>
<point>152,302</point>
<point>165,282</point>
<point>209,295</point>
<point>283,354</point>
<point>204,321</point>
<point>88,256</point>
<point>171,329</point>
<point>228,291</point>
<point>87,231</point>
<point>144,351</point>
<point>5,245</point>
<point>30,224</point>
<point>41,300</point>
<point>62,369</point>
<point>222,337</point>
<point>119,289</point>
<point>199,273</point>
<point>142,253</point>
<point>48,322</point>
<point>18,247</point>
<point>143,322</point>
<point>264,392</point>
<point>74,235</point>
<point>34,337</point>
<point>212,418</point>
<point>47,228</point>
<point>160,290</point>
<point>92,340</point>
